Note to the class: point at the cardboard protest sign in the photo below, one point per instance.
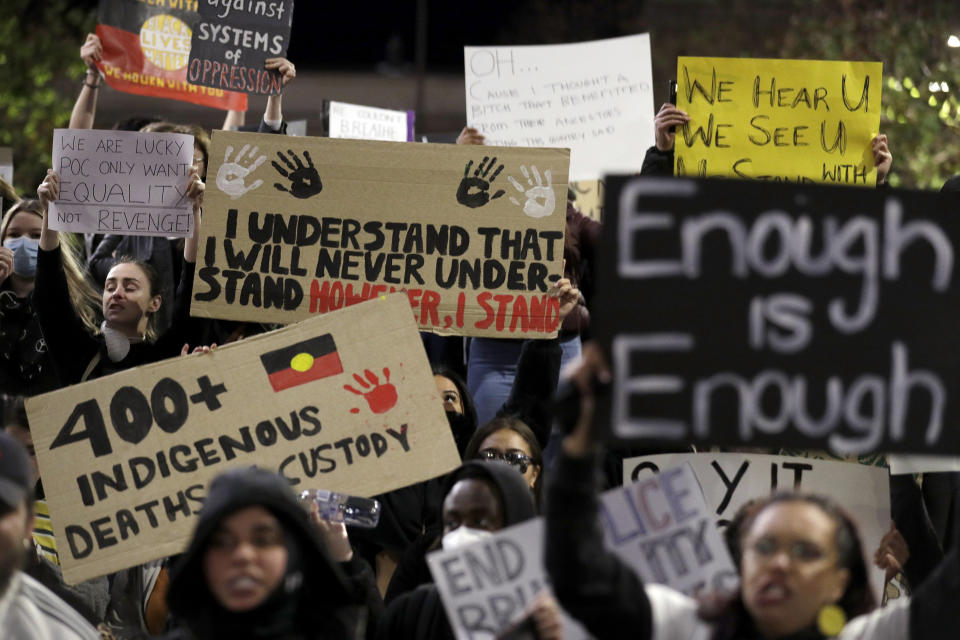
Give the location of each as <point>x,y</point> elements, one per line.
<point>233,39</point>
<point>661,526</point>
<point>6,164</point>
<point>146,48</point>
<point>594,97</point>
<point>486,586</point>
<point>357,122</point>
<point>765,315</point>
<point>778,120</point>
<point>730,480</point>
<point>345,402</point>
<point>474,235</point>
<point>123,182</point>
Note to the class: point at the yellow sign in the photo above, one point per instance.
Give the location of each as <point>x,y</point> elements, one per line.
<point>780,120</point>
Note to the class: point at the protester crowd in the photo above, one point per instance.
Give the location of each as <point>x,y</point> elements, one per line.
<point>262,565</point>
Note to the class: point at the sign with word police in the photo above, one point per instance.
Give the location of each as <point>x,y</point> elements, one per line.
<point>780,120</point>
<point>767,315</point>
<point>122,182</point>
<point>731,480</point>
<point>296,227</point>
<point>234,38</point>
<point>344,402</point>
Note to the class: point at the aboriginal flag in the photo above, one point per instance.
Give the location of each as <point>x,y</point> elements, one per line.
<point>302,362</point>
<point>146,48</point>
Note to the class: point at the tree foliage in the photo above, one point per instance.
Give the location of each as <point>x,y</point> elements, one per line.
<point>39,50</point>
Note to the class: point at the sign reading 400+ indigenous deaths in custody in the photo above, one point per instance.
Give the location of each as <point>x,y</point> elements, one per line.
<point>780,120</point>
<point>123,182</point>
<point>759,314</point>
<point>297,227</point>
<point>344,402</point>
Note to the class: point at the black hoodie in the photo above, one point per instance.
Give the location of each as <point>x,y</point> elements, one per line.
<point>313,601</point>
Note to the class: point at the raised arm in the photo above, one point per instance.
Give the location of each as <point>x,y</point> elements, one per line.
<point>273,114</point>
<point>85,108</point>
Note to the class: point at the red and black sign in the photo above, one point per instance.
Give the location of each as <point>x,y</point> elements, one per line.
<point>233,40</point>
<point>146,49</point>
<point>302,362</point>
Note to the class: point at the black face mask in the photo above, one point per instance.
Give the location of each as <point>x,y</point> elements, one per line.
<point>462,430</point>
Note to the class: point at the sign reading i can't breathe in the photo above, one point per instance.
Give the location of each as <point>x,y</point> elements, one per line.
<point>473,235</point>
<point>233,39</point>
<point>751,314</point>
<point>343,402</point>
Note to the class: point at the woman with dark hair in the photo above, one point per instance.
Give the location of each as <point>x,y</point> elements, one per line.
<point>509,440</point>
<point>480,498</point>
<point>131,299</point>
<point>802,569</point>
<point>256,568</point>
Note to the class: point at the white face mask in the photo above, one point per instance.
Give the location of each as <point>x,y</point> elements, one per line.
<point>462,536</point>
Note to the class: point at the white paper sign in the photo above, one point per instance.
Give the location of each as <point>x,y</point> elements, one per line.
<point>123,182</point>
<point>370,123</point>
<point>486,586</point>
<point>729,480</point>
<point>662,527</point>
<point>904,464</point>
<point>6,164</point>
<point>595,98</point>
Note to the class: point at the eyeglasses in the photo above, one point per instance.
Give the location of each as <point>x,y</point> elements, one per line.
<point>799,550</point>
<point>513,458</point>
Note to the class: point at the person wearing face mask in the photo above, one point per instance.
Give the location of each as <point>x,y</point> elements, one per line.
<point>25,365</point>
<point>480,498</point>
<point>256,568</point>
<point>131,298</point>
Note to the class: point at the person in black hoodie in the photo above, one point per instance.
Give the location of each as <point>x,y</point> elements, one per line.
<point>256,568</point>
<point>480,498</point>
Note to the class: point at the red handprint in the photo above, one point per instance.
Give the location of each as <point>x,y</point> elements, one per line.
<point>380,397</point>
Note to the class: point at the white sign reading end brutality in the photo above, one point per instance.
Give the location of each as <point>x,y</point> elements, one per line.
<point>345,402</point>
<point>772,315</point>
<point>123,182</point>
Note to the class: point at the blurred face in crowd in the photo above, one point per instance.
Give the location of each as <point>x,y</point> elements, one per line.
<point>789,568</point>
<point>15,526</point>
<point>199,161</point>
<point>22,435</point>
<point>473,503</point>
<point>449,393</point>
<point>24,225</point>
<point>246,559</point>
<point>128,301</point>
<point>509,446</point>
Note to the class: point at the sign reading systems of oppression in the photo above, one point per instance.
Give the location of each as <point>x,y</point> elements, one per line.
<point>754,314</point>
<point>233,39</point>
<point>344,402</point>
<point>780,120</point>
<point>146,48</point>
<point>296,227</point>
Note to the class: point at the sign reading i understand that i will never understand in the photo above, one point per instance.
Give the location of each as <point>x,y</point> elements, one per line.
<point>747,314</point>
<point>344,402</point>
<point>779,120</point>
<point>123,182</point>
<point>297,227</point>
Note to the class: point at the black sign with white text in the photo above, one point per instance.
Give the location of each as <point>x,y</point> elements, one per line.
<point>752,314</point>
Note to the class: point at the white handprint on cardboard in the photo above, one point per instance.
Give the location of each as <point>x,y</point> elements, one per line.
<point>540,201</point>
<point>231,175</point>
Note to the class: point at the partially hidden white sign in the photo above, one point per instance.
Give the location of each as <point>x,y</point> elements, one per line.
<point>370,123</point>
<point>123,182</point>
<point>594,98</point>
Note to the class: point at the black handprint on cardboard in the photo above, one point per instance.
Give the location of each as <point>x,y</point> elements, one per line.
<point>304,180</point>
<point>474,190</point>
